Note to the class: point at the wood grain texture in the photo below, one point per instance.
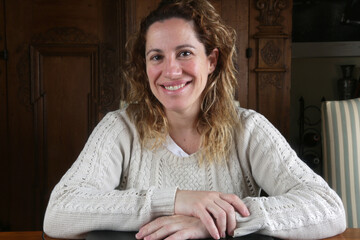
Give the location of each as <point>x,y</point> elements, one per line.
<point>62,78</point>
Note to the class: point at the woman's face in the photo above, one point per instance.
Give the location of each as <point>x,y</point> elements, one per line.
<point>176,65</point>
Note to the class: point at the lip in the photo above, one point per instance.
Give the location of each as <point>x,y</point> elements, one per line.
<point>175,84</point>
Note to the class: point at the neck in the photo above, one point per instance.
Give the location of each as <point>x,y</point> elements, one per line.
<point>181,122</point>
<point>185,119</point>
<point>182,129</point>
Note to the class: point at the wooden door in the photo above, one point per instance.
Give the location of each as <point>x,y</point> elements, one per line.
<point>60,78</point>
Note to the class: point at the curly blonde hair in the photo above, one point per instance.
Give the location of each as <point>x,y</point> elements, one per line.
<point>218,112</point>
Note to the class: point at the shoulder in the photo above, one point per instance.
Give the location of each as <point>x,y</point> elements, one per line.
<point>114,115</point>
<point>254,127</point>
<point>118,118</point>
<point>251,120</point>
<point>115,123</point>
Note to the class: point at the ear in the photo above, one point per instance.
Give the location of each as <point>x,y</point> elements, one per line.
<point>213,58</point>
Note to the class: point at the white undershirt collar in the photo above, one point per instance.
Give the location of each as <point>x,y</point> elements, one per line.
<point>171,145</point>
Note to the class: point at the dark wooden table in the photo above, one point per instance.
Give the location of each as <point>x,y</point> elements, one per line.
<point>349,234</point>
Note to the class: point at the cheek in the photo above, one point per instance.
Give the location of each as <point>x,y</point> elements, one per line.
<point>197,68</point>
<point>191,67</point>
<point>152,73</point>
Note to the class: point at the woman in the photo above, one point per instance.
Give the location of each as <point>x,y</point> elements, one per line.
<point>181,161</point>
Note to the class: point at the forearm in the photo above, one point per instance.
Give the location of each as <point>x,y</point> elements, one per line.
<point>298,214</point>
<point>301,204</point>
<point>75,213</point>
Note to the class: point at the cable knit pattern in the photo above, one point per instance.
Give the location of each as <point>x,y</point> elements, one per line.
<point>115,184</point>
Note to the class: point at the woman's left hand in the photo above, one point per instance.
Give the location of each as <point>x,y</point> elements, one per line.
<point>173,227</point>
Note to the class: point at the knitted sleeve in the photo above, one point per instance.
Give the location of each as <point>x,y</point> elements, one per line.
<point>87,199</point>
<point>300,205</point>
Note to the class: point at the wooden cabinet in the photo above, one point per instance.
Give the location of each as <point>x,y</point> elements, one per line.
<point>60,78</point>
<point>62,75</point>
<point>270,66</point>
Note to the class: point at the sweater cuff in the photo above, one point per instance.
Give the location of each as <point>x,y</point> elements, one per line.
<point>163,201</point>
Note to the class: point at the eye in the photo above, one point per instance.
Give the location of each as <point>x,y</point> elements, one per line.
<point>156,58</point>
<point>185,53</point>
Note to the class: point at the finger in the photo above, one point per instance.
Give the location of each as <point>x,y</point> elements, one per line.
<point>183,234</point>
<point>209,223</point>
<point>164,232</point>
<point>151,227</point>
<point>188,233</point>
<point>230,216</point>
<point>220,215</point>
<point>237,203</point>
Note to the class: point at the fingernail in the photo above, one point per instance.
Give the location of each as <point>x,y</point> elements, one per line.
<point>217,236</point>
<point>223,235</point>
<point>138,235</point>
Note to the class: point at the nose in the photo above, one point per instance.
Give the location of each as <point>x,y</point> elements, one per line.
<point>172,68</point>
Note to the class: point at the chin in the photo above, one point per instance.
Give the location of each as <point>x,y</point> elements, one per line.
<point>174,108</point>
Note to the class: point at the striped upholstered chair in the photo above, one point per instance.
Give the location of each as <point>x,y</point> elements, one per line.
<point>341,153</point>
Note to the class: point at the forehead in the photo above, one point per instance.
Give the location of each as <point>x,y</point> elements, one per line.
<point>171,31</point>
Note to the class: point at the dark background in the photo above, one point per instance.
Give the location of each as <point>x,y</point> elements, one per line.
<point>326,20</point>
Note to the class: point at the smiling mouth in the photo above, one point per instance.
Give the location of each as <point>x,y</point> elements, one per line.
<point>175,87</point>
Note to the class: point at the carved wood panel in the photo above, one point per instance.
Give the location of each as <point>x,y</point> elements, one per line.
<point>269,83</point>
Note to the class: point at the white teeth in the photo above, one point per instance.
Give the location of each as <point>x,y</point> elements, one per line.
<point>173,88</point>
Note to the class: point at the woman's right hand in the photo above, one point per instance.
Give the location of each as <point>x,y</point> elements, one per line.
<point>216,210</point>
<point>172,228</point>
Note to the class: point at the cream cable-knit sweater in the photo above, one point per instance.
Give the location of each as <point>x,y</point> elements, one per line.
<point>115,184</point>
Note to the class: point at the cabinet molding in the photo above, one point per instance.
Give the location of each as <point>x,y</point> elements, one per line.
<point>269,83</point>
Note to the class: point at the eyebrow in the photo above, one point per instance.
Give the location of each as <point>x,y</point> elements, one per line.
<point>177,48</point>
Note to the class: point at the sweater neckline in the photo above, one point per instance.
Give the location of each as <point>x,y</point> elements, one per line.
<point>166,154</point>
